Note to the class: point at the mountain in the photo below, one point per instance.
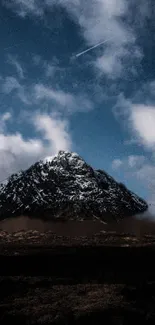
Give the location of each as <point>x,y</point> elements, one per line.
<point>66,187</point>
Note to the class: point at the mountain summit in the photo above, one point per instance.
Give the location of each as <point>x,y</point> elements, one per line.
<point>66,187</point>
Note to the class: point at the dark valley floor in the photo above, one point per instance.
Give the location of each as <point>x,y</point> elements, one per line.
<point>107,278</point>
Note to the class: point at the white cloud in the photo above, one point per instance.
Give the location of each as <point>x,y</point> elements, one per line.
<point>140,169</point>
<point>18,153</point>
<point>116,163</point>
<point>135,161</point>
<point>25,7</point>
<point>3,120</point>
<point>6,116</point>
<point>24,96</point>
<point>12,60</point>
<point>62,99</point>
<point>146,174</point>
<point>132,162</point>
<point>142,120</point>
<point>10,84</point>
<point>110,64</point>
<point>99,19</point>
<point>122,107</point>
<point>50,68</point>
<point>138,118</point>
<point>55,131</point>
<point>41,94</point>
<point>114,61</point>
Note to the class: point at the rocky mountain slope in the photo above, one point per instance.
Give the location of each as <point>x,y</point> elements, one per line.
<point>65,186</point>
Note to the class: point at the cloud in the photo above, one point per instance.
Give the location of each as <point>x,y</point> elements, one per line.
<point>6,116</point>
<point>71,103</point>
<point>12,60</point>
<point>10,84</point>
<point>146,174</point>
<point>41,94</point>
<point>25,7</point>
<point>55,131</point>
<point>114,62</point>
<point>110,64</point>
<point>3,120</point>
<point>116,163</point>
<point>135,161</point>
<point>145,94</point>
<point>140,169</point>
<point>19,153</point>
<point>60,97</point>
<point>139,118</point>
<point>50,68</point>
<point>132,162</point>
<point>142,120</point>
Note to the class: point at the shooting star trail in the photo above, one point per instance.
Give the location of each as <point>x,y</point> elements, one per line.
<point>12,46</point>
<point>93,47</point>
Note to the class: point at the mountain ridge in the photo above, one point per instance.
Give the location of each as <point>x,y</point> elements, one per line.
<point>64,186</point>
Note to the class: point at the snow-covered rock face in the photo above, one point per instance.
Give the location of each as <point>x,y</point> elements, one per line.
<point>65,186</point>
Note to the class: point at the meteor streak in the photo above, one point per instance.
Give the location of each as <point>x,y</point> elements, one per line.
<point>12,46</point>
<point>93,47</point>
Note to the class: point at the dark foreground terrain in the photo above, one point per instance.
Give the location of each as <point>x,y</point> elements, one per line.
<point>35,300</point>
<point>105,279</point>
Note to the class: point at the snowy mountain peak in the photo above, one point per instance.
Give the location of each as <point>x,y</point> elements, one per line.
<point>65,186</point>
<point>66,161</point>
<point>63,155</point>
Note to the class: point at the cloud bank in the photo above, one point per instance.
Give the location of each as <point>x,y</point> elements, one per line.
<point>19,153</point>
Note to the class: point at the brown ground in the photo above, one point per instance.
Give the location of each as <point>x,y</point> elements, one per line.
<point>70,228</point>
<point>88,228</point>
<point>27,231</point>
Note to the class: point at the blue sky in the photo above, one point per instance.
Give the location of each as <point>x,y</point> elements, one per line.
<point>100,104</point>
